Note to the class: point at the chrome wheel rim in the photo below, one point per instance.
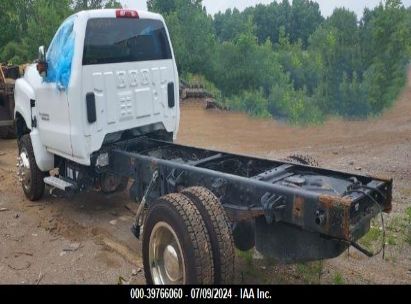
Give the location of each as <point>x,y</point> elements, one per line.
<point>24,171</point>
<point>165,256</point>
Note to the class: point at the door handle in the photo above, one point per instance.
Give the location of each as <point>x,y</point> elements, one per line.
<point>91,108</point>
<point>171,97</point>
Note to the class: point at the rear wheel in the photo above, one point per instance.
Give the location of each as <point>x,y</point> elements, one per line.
<point>176,247</point>
<point>219,230</point>
<point>32,179</point>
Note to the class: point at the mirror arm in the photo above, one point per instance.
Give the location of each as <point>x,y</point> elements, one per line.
<point>42,63</point>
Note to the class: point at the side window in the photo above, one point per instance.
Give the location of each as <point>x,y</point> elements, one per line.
<point>60,55</point>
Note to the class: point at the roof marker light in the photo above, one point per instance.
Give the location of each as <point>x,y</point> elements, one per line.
<point>123,13</point>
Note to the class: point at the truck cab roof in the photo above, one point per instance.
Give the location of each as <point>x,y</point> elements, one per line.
<point>112,13</point>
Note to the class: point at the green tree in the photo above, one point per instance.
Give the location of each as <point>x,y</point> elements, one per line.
<point>303,67</point>
<point>38,20</point>
<point>230,24</point>
<point>80,5</point>
<point>45,19</point>
<point>388,43</point>
<point>243,64</point>
<point>305,18</point>
<point>337,43</point>
<point>192,35</point>
<point>353,97</point>
<point>168,6</point>
<point>299,20</point>
<point>9,21</point>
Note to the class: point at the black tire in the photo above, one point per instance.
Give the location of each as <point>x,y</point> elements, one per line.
<point>177,211</point>
<point>34,187</point>
<point>219,230</point>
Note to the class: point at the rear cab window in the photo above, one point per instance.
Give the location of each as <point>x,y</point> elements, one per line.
<point>117,40</point>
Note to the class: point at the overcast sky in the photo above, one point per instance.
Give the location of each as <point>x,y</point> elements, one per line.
<point>327,6</point>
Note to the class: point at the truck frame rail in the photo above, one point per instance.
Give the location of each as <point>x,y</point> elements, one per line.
<point>332,207</point>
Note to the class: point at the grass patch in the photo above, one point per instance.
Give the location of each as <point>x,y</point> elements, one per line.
<point>397,231</point>
<point>249,269</point>
<point>310,272</point>
<point>408,214</point>
<point>408,228</point>
<point>338,279</point>
<point>408,237</point>
<point>400,227</point>
<point>391,240</point>
<point>372,236</point>
<point>247,256</point>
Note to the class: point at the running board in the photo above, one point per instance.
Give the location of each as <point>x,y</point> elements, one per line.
<point>59,183</point>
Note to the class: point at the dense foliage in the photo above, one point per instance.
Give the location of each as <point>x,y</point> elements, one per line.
<point>282,60</point>
<point>286,60</point>
<point>27,24</point>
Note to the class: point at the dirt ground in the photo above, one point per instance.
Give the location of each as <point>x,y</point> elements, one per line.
<point>87,239</point>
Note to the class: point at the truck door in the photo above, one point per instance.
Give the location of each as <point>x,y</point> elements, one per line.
<point>52,105</point>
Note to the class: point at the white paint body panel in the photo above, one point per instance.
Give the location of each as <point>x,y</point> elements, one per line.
<point>128,96</point>
<point>44,159</point>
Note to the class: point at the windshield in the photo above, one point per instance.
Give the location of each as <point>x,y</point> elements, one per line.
<point>115,40</point>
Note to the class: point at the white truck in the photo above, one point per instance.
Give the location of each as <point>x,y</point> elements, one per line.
<point>101,108</point>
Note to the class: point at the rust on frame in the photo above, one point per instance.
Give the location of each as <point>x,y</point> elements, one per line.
<point>298,209</point>
<point>239,215</point>
<point>330,201</point>
<point>381,178</point>
<point>343,203</point>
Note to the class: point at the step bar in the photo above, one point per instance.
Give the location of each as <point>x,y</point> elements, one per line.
<point>59,183</point>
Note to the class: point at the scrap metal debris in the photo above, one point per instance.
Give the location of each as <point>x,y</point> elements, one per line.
<point>135,272</point>
<point>113,222</point>
<point>40,277</point>
<point>25,266</point>
<point>73,247</point>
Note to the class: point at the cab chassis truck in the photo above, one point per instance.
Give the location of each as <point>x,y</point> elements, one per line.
<point>100,111</point>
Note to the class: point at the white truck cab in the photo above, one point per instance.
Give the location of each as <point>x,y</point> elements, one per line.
<point>106,74</point>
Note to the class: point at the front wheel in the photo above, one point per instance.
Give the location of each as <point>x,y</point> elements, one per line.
<point>176,246</point>
<point>32,179</point>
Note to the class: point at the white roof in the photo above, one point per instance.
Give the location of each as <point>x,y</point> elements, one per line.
<point>111,13</point>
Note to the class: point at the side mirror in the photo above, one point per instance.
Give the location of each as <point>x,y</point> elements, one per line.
<point>41,63</point>
<point>42,54</point>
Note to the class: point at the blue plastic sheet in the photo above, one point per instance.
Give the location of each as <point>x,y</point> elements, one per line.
<point>60,55</point>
